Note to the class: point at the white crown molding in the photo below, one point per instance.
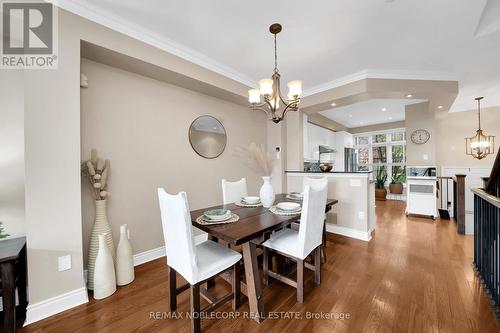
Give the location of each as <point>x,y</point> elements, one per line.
<point>381,74</point>
<point>54,305</point>
<point>135,31</point>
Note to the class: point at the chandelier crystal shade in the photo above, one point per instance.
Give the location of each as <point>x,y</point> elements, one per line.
<point>270,90</point>
<point>480,145</point>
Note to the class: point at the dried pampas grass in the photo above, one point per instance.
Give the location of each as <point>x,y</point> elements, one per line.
<point>256,158</point>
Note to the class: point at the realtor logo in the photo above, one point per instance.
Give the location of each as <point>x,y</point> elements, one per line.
<point>29,35</point>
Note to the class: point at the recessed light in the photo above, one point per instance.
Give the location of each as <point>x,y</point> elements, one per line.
<point>384,109</point>
<point>440,107</point>
<point>350,116</point>
<point>333,104</point>
<point>390,118</point>
<point>361,123</point>
<point>409,96</point>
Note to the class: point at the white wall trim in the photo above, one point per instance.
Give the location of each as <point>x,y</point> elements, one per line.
<point>348,232</point>
<point>153,254</point>
<point>55,305</point>
<point>381,74</point>
<point>117,23</point>
<point>149,255</point>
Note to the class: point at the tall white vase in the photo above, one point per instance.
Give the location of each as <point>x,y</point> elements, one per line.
<point>101,226</point>
<point>104,273</point>
<point>124,259</point>
<point>267,195</point>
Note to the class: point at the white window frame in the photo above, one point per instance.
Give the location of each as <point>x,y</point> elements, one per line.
<point>388,144</point>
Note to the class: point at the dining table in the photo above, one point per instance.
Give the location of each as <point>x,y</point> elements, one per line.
<point>254,226</point>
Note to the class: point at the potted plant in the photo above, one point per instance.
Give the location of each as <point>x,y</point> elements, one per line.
<point>380,179</point>
<point>397,179</point>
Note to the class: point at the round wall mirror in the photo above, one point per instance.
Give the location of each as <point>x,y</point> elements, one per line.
<point>207,136</point>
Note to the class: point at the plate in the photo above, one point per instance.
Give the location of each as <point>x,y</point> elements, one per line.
<point>288,206</point>
<point>250,200</point>
<point>298,195</point>
<point>217,214</point>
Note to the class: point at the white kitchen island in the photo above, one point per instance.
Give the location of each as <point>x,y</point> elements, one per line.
<point>354,215</point>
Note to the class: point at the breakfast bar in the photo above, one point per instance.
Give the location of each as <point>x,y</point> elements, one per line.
<point>354,215</point>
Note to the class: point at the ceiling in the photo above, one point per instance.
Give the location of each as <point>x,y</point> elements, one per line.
<point>322,44</point>
<point>371,112</point>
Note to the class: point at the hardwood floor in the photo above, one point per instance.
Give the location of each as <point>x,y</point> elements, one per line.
<point>415,275</point>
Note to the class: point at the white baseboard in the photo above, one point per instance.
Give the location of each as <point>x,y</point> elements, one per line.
<point>153,254</point>
<point>54,305</point>
<point>150,255</point>
<point>348,232</point>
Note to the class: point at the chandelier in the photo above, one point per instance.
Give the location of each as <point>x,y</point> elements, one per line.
<point>269,88</point>
<point>480,145</point>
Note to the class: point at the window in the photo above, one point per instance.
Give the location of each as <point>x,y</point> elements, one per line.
<point>382,149</point>
<point>377,138</point>
<point>361,140</point>
<point>379,155</point>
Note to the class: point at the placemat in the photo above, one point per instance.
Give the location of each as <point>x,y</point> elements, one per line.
<point>241,204</point>
<point>277,211</point>
<point>232,219</point>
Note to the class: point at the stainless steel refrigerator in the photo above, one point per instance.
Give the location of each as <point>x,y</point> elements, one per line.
<point>350,160</point>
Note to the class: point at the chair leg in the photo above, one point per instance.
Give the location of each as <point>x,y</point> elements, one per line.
<point>323,246</point>
<point>211,281</point>
<point>317,265</point>
<point>300,281</point>
<point>172,289</point>
<point>195,308</point>
<point>265,265</point>
<point>236,286</point>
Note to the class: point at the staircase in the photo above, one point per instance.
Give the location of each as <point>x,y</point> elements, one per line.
<point>487,235</point>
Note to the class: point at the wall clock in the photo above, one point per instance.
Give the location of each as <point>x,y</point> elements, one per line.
<point>420,136</point>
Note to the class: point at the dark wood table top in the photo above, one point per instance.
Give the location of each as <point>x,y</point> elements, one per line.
<point>253,222</point>
<point>11,248</point>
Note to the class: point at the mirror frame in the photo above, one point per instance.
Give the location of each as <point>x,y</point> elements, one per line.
<point>191,142</point>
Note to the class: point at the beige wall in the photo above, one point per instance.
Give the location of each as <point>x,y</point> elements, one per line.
<point>377,127</point>
<point>142,125</point>
<point>276,137</point>
<point>52,154</point>
<point>294,140</point>
<point>12,152</point>
<point>325,122</point>
<point>453,128</point>
<point>418,116</point>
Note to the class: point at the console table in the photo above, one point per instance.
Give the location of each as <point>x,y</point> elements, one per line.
<point>13,268</point>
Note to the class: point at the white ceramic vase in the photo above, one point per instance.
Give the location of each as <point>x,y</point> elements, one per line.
<point>101,226</point>
<point>104,273</point>
<point>267,195</point>
<point>124,259</point>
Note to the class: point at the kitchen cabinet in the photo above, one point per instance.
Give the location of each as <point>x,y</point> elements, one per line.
<point>314,136</point>
<point>343,140</point>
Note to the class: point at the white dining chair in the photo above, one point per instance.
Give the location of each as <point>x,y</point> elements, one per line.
<point>306,181</point>
<point>197,263</point>
<point>233,191</point>
<point>298,244</point>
